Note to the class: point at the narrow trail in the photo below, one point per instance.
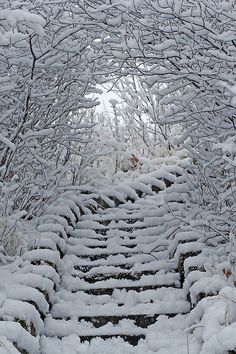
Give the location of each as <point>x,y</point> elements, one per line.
<point>105,266</point>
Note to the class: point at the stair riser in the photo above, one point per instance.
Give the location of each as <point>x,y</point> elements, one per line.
<point>109,291</point>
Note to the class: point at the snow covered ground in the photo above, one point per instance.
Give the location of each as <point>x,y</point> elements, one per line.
<point>133,260</point>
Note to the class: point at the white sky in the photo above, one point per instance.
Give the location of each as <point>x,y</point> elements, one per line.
<point>104,99</point>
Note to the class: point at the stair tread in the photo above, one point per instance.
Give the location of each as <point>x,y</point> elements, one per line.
<point>132,233</point>
<point>109,291</point>
<point>118,239</point>
<point>160,279</point>
<point>108,270</point>
<point>113,249</point>
<point>61,328</point>
<point>123,296</point>
<point>62,309</point>
<point>121,275</point>
<point>119,259</point>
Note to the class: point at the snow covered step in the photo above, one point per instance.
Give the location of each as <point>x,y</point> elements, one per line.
<point>194,263</point>
<point>88,237</point>
<point>109,291</point>
<point>125,260</point>
<point>148,221</point>
<point>158,280</point>
<point>129,210</point>
<point>183,237</point>
<point>115,220</point>
<point>124,328</point>
<point>104,256</point>
<point>105,313</point>
<point>104,231</point>
<point>117,224</point>
<point>118,247</point>
<point>153,225</point>
<point>113,248</point>
<point>112,272</point>
<point>120,304</point>
<point>184,251</point>
<point>116,260</point>
<point>150,227</point>
<point>151,236</point>
<point>122,297</point>
<point>149,207</point>
<point>122,275</point>
<point>200,284</point>
<point>152,265</point>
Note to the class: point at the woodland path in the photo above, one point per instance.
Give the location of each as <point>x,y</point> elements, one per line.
<point>105,263</point>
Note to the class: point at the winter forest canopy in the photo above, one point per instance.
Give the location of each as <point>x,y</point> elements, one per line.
<point>171,62</point>
<point>171,66</point>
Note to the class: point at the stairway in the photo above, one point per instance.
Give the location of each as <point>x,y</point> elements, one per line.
<point>110,266</point>
<point>119,274</point>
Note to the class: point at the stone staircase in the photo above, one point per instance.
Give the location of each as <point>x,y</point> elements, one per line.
<point>119,273</point>
<point>106,263</point>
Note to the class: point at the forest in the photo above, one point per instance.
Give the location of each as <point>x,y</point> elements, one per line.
<point>117,176</point>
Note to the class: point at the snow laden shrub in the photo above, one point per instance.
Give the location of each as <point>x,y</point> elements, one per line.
<point>10,228</point>
<point>213,321</point>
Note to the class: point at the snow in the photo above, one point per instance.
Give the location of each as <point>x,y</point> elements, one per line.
<point>62,328</point>
<point>109,250</point>
<point>7,347</point>
<point>7,142</point>
<point>14,16</point>
<point>25,293</point>
<point>51,227</point>
<point>50,240</point>
<point>131,307</point>
<point>43,270</point>
<point>165,337</point>
<point>14,332</point>
<point>14,309</point>
<point>164,45</point>
<point>159,279</point>
<point>33,280</point>
<point>207,285</point>
<point>44,256</point>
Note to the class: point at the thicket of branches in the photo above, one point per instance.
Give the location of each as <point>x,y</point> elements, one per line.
<point>186,51</point>
<point>53,55</point>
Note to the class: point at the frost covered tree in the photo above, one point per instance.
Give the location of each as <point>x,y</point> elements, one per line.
<point>186,49</point>
<point>50,61</point>
<point>142,114</point>
<point>48,66</point>
<point>54,54</point>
